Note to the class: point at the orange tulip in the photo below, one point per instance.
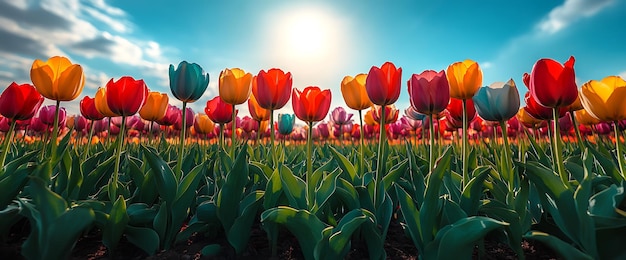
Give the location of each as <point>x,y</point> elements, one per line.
<point>354,93</point>
<point>391,113</point>
<point>235,86</point>
<point>203,124</point>
<point>527,120</point>
<point>584,118</point>
<point>155,107</point>
<point>465,78</point>
<point>368,118</point>
<point>101,103</point>
<point>57,78</point>
<point>256,111</point>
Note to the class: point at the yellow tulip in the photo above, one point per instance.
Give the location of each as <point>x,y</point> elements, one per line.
<point>101,103</point>
<point>235,86</point>
<point>584,118</point>
<point>354,93</point>
<point>155,107</point>
<point>528,120</point>
<point>57,78</point>
<point>604,99</point>
<point>464,78</point>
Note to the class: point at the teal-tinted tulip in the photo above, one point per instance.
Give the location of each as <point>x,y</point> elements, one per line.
<point>188,82</point>
<point>498,102</point>
<point>285,123</point>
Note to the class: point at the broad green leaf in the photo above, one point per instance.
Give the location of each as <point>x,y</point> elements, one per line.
<point>395,173</point>
<point>460,236</point>
<point>232,192</point>
<point>211,250</point>
<point>12,184</point>
<point>325,190</point>
<point>565,250</point>
<point>239,233</point>
<point>164,177</point>
<point>116,223</point>
<point>336,244</point>
<point>294,188</point>
<point>430,208</point>
<point>473,191</point>
<point>411,216</point>
<point>306,227</point>
<point>64,232</point>
<point>345,165</point>
<point>145,238</point>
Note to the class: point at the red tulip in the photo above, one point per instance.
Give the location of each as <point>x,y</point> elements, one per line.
<point>219,111</point>
<point>552,84</point>
<point>273,88</point>
<point>20,102</point>
<point>455,110</point>
<point>126,96</point>
<point>538,111</point>
<point>383,84</point>
<point>88,109</point>
<point>391,114</point>
<point>311,104</point>
<point>429,92</point>
<point>171,115</point>
<point>46,115</point>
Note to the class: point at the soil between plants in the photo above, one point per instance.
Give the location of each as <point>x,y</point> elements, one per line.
<point>398,246</point>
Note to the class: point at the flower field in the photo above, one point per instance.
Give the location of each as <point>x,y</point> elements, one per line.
<point>463,163</point>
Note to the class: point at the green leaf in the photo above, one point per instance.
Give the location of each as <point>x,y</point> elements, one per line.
<point>116,223</point>
<point>293,187</point>
<point>345,165</point>
<point>395,173</point>
<point>460,236</point>
<point>565,250</point>
<point>325,190</point>
<point>239,233</point>
<point>430,207</point>
<point>473,191</point>
<point>232,192</point>
<point>211,250</point>
<point>336,242</point>
<point>306,227</point>
<point>64,232</point>
<point>145,238</point>
<point>165,180</point>
<point>411,216</point>
<point>12,184</point>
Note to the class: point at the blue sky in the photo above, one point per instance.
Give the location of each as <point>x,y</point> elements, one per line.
<point>320,42</point>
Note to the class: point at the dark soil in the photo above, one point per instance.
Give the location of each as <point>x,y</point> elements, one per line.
<point>397,246</point>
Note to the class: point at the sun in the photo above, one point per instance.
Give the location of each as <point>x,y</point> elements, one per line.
<point>305,33</point>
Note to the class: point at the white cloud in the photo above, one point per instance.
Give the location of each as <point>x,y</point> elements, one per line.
<point>569,12</point>
<point>622,74</point>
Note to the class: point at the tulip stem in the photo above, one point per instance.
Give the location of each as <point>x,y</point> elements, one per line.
<point>120,142</point>
<point>464,145</point>
<point>578,136</point>
<point>618,150</point>
<point>381,165</point>
<point>221,143</point>
<point>275,161</point>
<point>85,154</point>
<point>179,164</point>
<point>362,165</point>
<point>310,188</point>
<point>6,145</point>
<point>507,157</point>
<point>233,133</point>
<point>432,143</point>
<point>557,148</point>
<point>55,133</point>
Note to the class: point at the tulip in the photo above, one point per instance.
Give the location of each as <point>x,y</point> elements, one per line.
<point>286,123</point>
<point>323,129</point>
<point>528,120</point>
<point>429,92</point>
<point>369,117</point>
<point>189,120</point>
<point>203,124</point>
<point>100,100</point>
<point>354,92</point>
<point>584,118</point>
<point>455,110</point>
<point>235,86</point>
<point>272,91</point>
<point>273,88</point>
<point>498,102</point>
<point>248,124</point>
<point>57,78</point>
<point>339,116</point>
<point>219,112</point>
<point>552,84</point>
<point>155,107</point>
<point>538,111</point>
<point>171,114</point>
<point>78,122</point>
<point>383,84</point>
<point>256,111</point>
<point>20,102</point>
<point>188,81</point>
<point>604,100</point>
<point>390,110</point>
<point>126,96</point>
<point>311,104</point>
<point>88,109</point>
<point>464,78</point>
<point>46,115</point>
